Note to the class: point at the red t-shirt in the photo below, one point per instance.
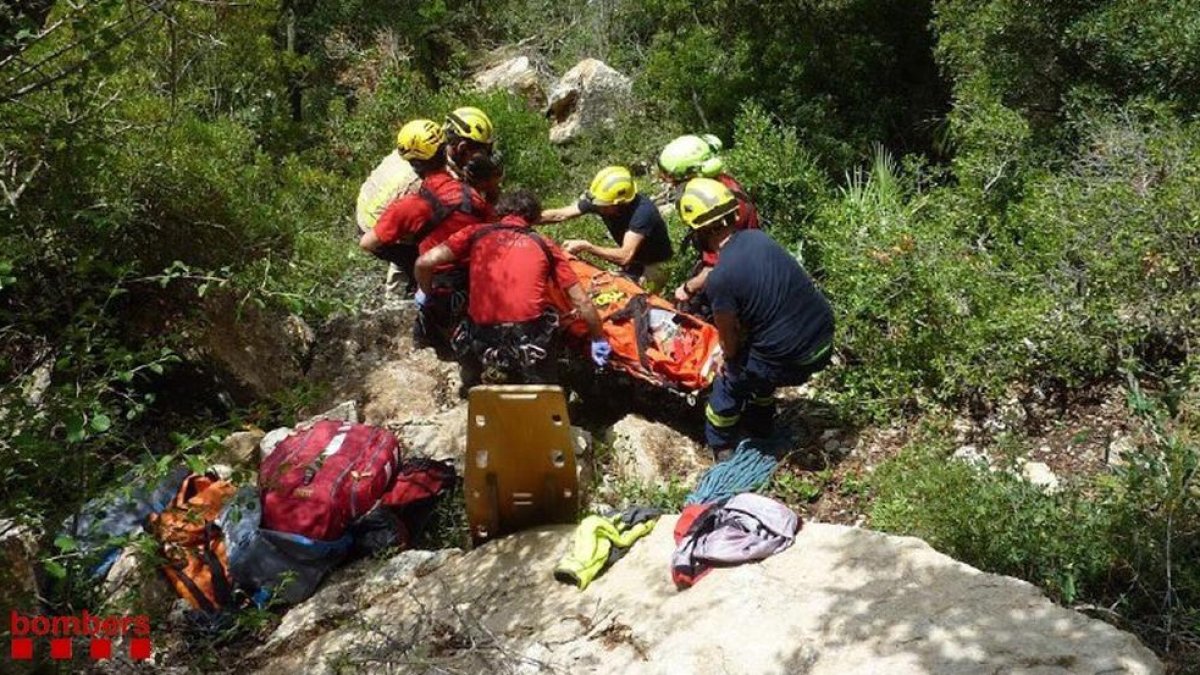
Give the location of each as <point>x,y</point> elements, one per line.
<point>509,273</point>
<point>747,214</point>
<point>405,217</point>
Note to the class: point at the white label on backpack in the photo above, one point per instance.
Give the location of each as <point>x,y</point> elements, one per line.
<point>335,444</point>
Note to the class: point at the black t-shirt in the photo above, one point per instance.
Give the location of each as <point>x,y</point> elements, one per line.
<point>785,315</point>
<point>642,217</point>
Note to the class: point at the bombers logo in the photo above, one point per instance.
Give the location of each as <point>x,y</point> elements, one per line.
<point>61,631</point>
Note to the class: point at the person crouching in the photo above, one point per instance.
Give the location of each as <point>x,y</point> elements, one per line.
<point>510,334</point>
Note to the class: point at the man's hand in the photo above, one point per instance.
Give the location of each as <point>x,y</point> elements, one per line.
<point>420,299</point>
<point>719,363</point>
<point>681,294</point>
<point>576,246</point>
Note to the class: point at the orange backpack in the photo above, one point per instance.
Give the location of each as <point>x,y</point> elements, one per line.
<point>197,564</point>
<point>650,339</point>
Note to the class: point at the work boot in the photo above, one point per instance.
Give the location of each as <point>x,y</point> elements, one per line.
<point>721,454</point>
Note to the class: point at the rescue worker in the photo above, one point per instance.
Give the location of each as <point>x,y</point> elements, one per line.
<point>775,325</point>
<point>391,179</point>
<point>510,333</point>
<point>442,206</point>
<point>635,224</point>
<point>689,157</point>
<point>470,135</point>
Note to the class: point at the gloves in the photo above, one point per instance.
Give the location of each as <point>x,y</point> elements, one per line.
<point>601,350</point>
<point>420,298</point>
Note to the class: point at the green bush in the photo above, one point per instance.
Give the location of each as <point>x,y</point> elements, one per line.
<point>1129,540</point>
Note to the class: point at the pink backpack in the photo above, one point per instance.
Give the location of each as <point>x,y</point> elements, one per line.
<point>324,477</point>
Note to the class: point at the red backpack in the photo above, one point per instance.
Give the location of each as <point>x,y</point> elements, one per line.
<point>322,478</point>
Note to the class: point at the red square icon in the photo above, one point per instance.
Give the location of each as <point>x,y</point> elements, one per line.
<point>139,649</point>
<point>21,649</point>
<point>60,649</point>
<point>100,649</point>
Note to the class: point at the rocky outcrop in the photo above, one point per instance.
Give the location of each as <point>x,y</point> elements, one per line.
<point>652,453</point>
<point>240,448</point>
<point>370,360</point>
<point>134,585</point>
<point>18,556</point>
<point>518,76</point>
<point>441,436</point>
<point>587,97</point>
<point>841,600</point>
<point>254,352</point>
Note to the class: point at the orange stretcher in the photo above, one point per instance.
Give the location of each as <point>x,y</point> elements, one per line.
<point>651,340</point>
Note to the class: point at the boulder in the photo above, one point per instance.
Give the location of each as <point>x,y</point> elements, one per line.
<point>589,96</point>
<point>517,76</point>
<point>134,586</point>
<point>347,344</point>
<point>351,589</point>
<point>652,453</point>
<point>398,392</point>
<point>255,352</point>
<point>840,600</point>
<point>267,445</point>
<point>240,448</point>
<point>1039,474</point>
<point>442,436</point>
<point>370,361</point>
<point>18,560</point>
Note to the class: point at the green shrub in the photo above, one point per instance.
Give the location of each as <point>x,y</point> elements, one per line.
<point>1129,541</point>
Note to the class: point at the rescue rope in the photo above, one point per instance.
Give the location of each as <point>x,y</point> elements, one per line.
<point>747,470</point>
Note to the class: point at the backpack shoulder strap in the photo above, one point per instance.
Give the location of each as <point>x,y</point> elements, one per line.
<point>442,210</point>
<point>488,229</point>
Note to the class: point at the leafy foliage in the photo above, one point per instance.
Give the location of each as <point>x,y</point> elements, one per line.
<point>1127,541</point>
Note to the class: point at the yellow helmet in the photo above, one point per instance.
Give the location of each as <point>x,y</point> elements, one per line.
<point>470,123</point>
<point>705,202</point>
<point>613,185</point>
<point>419,139</point>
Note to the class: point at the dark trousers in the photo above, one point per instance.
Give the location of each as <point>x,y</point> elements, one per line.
<point>403,256</point>
<point>742,402</point>
<point>444,308</point>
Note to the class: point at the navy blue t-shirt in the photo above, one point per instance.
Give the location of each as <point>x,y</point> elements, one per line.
<point>642,217</point>
<point>785,315</point>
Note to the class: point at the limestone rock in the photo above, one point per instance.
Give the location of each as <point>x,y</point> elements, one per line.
<point>255,352</point>
<point>973,455</point>
<point>18,557</point>
<point>133,586</point>
<point>351,589</point>
<point>841,600</point>
<point>397,392</point>
<point>649,452</point>
<point>267,445</point>
<point>517,75</point>
<point>240,448</point>
<point>1039,474</point>
<point>588,96</point>
<point>370,360</point>
<point>347,411</point>
<point>442,436</point>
